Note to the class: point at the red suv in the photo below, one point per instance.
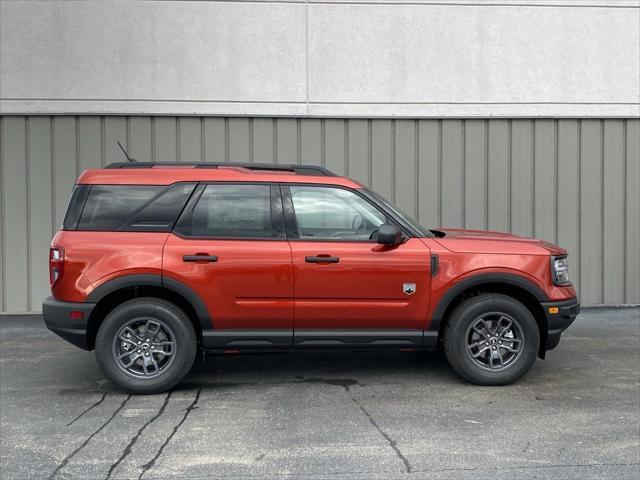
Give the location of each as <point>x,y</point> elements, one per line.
<point>156,261</point>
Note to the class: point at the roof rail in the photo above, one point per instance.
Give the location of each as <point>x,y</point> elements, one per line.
<point>299,169</point>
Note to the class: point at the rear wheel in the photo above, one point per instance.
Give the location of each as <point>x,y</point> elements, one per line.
<point>491,339</point>
<point>146,345</point>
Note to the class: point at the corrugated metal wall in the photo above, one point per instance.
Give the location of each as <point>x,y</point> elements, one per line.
<point>574,182</point>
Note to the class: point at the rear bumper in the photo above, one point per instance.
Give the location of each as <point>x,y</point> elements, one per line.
<point>57,318</point>
<point>567,311</point>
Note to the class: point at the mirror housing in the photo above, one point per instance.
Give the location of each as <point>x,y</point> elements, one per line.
<point>389,234</point>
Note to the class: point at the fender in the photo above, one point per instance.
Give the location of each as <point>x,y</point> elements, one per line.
<point>483,279</point>
<point>150,280</point>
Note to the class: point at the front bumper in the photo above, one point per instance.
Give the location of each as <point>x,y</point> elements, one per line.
<point>560,315</point>
<point>57,318</point>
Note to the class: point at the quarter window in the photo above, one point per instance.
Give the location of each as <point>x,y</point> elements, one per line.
<point>138,208</point>
<point>231,211</point>
<point>109,206</point>
<point>327,213</point>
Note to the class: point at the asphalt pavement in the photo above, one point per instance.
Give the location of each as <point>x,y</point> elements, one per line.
<point>348,415</point>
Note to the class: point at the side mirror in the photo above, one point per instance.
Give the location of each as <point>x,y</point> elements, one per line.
<point>389,234</point>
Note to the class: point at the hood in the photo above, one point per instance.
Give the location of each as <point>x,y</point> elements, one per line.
<point>486,241</point>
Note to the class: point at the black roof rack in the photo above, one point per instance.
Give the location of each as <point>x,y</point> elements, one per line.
<point>299,169</point>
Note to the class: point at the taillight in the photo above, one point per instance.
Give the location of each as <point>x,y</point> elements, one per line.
<point>56,264</point>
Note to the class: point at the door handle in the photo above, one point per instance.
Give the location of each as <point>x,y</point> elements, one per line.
<point>200,257</point>
<point>321,259</point>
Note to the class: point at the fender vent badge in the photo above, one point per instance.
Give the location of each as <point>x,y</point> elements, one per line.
<point>409,288</point>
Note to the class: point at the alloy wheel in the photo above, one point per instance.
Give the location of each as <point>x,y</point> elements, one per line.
<point>144,347</point>
<point>494,341</point>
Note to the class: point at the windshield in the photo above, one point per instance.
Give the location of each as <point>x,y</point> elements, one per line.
<point>403,215</point>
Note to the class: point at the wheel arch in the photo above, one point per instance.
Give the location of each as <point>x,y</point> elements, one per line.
<point>119,290</point>
<point>523,290</point>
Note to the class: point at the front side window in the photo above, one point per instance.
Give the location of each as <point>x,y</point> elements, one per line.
<point>231,211</point>
<point>328,213</point>
<point>406,218</point>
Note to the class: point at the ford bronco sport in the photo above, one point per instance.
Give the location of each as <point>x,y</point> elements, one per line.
<point>155,262</point>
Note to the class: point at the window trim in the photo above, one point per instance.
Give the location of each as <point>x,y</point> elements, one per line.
<point>291,222</point>
<point>277,215</point>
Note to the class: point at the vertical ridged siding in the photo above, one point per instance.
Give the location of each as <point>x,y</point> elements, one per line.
<point>572,182</point>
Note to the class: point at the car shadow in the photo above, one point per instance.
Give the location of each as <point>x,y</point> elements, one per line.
<point>340,367</point>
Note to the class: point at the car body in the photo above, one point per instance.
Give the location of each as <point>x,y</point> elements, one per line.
<point>271,257</point>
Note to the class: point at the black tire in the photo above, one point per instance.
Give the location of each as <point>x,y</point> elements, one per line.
<point>173,323</point>
<point>459,339</point>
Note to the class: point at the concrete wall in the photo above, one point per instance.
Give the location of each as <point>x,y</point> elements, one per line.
<point>574,182</point>
<point>466,58</point>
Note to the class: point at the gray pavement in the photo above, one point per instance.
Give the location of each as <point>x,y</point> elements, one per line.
<point>319,415</point>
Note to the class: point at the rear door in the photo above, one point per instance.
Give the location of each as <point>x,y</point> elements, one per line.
<point>350,290</point>
<point>229,246</point>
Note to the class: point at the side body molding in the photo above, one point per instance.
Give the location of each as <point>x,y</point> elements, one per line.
<point>478,280</point>
<point>151,280</point>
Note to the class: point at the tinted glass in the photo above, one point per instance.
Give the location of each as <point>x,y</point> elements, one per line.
<point>326,213</point>
<point>74,209</point>
<point>108,207</point>
<point>231,211</point>
<point>162,211</point>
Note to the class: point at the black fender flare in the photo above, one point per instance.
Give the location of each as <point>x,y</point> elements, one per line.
<point>152,280</point>
<point>483,279</point>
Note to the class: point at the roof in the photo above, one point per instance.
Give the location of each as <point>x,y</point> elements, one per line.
<point>148,173</point>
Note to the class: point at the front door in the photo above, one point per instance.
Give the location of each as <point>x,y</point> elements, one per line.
<point>350,290</point>
<point>229,247</point>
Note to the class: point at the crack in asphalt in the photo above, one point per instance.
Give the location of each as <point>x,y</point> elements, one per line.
<point>392,443</point>
<point>192,406</point>
<point>104,395</point>
<point>347,383</point>
<point>66,460</point>
<point>135,438</point>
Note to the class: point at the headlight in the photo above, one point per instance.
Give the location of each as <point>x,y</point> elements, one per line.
<point>560,270</point>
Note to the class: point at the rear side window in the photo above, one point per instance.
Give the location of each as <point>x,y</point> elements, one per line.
<point>234,211</point>
<point>162,211</point>
<point>133,207</point>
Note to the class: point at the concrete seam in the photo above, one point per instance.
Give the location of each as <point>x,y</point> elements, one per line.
<point>306,46</point>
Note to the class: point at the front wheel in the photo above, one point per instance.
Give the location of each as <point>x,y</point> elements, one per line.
<point>146,345</point>
<point>491,339</point>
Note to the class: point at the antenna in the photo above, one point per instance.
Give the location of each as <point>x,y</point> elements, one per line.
<point>130,159</point>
